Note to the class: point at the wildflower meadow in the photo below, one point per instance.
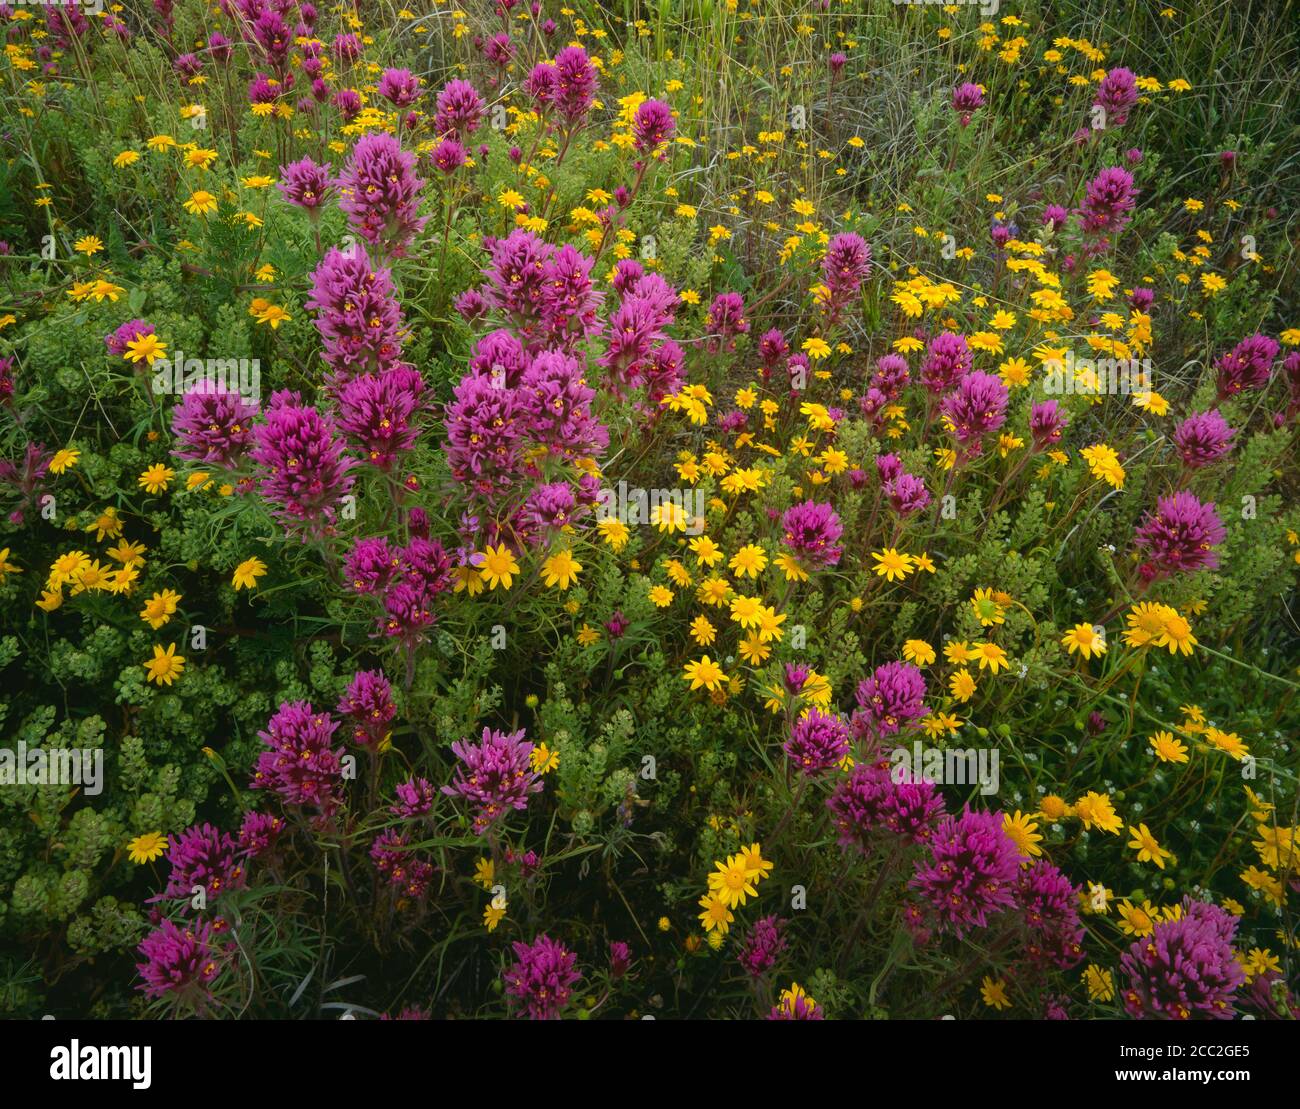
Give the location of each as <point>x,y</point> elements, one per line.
<point>676,509</point>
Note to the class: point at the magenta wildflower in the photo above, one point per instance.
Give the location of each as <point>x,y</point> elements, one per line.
<point>845,266</point>
<point>1049,909</point>
<point>576,81</point>
<point>357,313</point>
<point>818,742</point>
<point>306,184</point>
<point>967,99</point>
<point>725,320</point>
<point>1186,968</point>
<point>889,700</point>
<point>348,102</point>
<point>870,801</point>
<point>541,980</point>
<point>555,405</point>
<point>459,109</point>
<point>448,156</point>
<point>347,47</point>
<point>494,775</point>
<point>1054,216</point>
<point>402,868</point>
<point>1046,424</point>
<point>368,707</point>
<point>906,494</point>
<point>181,962</point>
<point>976,407</point>
<point>381,193</point>
<point>212,425</point>
<point>202,856</point>
<point>483,434</point>
<point>1116,96</point>
<point>1203,438</point>
<point>304,470</point>
<point>1248,365</point>
<point>763,946</point>
<point>652,125</point>
<point>258,833</point>
<point>400,87</point>
<point>812,532</point>
<point>301,766</point>
<point>970,872</point>
<point>370,565</point>
<point>540,85</point>
<point>414,798</point>
<point>892,375</point>
<point>947,361</point>
<point>376,413</point>
<point>620,959</point>
<point>1107,202</point>
<point>1180,536</point>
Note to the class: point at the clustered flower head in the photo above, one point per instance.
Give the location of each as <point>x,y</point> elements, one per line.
<point>494,775</point>
<point>763,946</point>
<point>889,701</point>
<point>652,126</point>
<point>203,857</point>
<point>300,764</point>
<point>1185,968</point>
<point>306,184</point>
<point>1116,95</point>
<point>357,313</point>
<point>1107,202</point>
<point>367,705</point>
<point>1180,536</point>
<point>971,871</point>
<point>976,407</point>
<point>1247,366</point>
<point>303,464</point>
<point>812,532</point>
<point>381,193</point>
<point>459,109</point>
<point>818,742</point>
<point>872,799</point>
<point>845,266</point>
<point>1203,438</point>
<point>540,981</point>
<point>376,413</point>
<point>576,82</point>
<point>947,361</point>
<point>725,321</point>
<point>400,87</point>
<point>181,961</point>
<point>400,866</point>
<point>544,292</point>
<point>1048,904</point>
<point>967,99</point>
<point>406,581</point>
<point>1046,423</point>
<point>213,425</point>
